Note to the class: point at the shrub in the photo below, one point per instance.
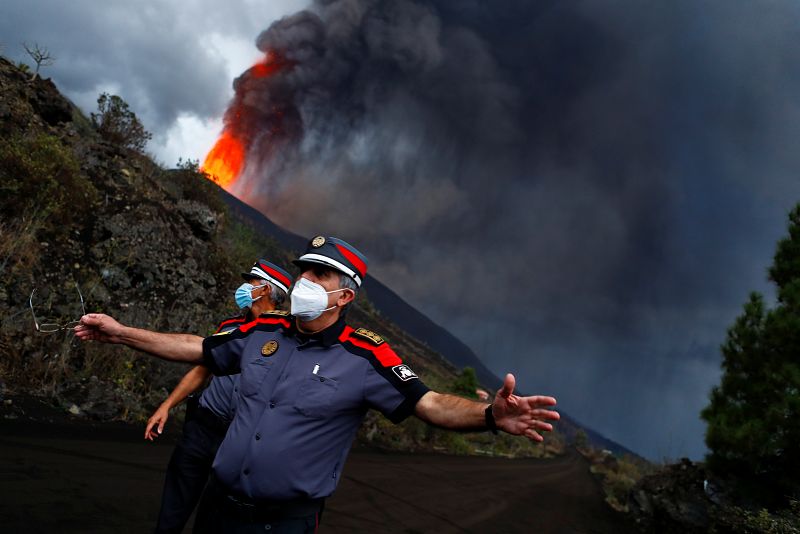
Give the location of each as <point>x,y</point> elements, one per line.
<point>40,180</point>
<point>118,124</point>
<point>466,383</point>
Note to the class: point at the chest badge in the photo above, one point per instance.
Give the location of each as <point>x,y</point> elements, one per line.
<point>269,348</point>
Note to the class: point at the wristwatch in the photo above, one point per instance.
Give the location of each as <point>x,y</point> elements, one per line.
<point>490,422</point>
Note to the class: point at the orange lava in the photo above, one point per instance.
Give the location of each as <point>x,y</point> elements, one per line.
<point>226,159</point>
<point>224,162</point>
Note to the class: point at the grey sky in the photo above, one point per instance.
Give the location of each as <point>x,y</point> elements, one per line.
<point>173,62</point>
<point>584,192</point>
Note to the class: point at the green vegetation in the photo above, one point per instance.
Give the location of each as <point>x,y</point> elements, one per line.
<point>194,185</point>
<point>41,177</point>
<point>753,431</point>
<point>466,383</point>
<point>740,520</point>
<point>618,476</point>
<point>581,439</point>
<point>119,125</point>
<point>42,191</point>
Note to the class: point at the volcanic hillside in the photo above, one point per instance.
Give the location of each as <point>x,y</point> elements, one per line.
<point>158,249</point>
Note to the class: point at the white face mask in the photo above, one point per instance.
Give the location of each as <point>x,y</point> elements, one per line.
<point>309,300</point>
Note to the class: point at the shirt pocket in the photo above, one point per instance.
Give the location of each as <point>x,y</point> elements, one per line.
<point>316,395</point>
<point>253,375</point>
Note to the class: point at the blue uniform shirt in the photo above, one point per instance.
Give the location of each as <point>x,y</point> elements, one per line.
<point>220,395</point>
<point>301,402</point>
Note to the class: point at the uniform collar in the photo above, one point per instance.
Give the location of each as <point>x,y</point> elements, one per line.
<point>327,337</point>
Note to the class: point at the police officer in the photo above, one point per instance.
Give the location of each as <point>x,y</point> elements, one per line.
<point>307,380</point>
<point>265,287</point>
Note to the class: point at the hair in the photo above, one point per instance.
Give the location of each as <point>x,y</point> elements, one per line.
<point>276,294</point>
<point>345,282</point>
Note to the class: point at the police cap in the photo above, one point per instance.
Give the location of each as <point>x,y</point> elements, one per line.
<point>269,271</point>
<point>336,254</point>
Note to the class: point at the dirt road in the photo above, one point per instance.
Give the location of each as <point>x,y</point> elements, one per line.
<point>81,477</point>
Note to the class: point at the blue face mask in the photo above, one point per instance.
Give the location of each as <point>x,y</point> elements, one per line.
<point>244,297</point>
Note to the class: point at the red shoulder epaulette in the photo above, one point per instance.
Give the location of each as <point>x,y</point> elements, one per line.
<point>372,342</point>
<point>274,320</point>
<point>228,322</point>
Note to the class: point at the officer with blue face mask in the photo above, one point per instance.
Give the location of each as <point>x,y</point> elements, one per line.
<point>307,381</point>
<point>264,289</point>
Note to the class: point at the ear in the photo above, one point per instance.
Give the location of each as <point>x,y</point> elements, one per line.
<point>264,289</point>
<point>345,297</point>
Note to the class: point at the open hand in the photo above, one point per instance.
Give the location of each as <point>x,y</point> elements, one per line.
<point>522,416</point>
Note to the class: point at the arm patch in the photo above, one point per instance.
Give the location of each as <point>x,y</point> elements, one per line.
<point>374,338</point>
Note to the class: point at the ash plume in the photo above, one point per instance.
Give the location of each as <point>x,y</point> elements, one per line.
<point>583,191</point>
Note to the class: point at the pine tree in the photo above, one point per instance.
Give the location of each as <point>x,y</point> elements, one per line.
<point>754,415</point>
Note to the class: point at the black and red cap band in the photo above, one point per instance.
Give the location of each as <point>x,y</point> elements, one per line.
<point>336,254</point>
<point>266,270</point>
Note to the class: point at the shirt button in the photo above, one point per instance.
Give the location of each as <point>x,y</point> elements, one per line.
<point>267,527</point>
<point>272,404</point>
<point>321,379</point>
<point>258,437</point>
<point>246,471</point>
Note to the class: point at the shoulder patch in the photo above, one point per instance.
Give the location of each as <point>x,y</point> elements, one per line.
<point>370,335</point>
<point>224,332</point>
<point>282,313</point>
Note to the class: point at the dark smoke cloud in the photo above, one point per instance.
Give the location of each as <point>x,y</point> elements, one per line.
<point>583,191</point>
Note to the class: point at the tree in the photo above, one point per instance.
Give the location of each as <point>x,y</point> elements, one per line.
<point>118,124</point>
<point>466,383</point>
<point>753,428</point>
<point>581,439</point>
<point>40,55</point>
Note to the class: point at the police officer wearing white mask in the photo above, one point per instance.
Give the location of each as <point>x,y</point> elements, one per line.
<point>306,383</point>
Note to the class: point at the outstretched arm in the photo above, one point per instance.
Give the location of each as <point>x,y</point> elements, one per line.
<point>191,382</point>
<point>175,347</point>
<point>520,416</point>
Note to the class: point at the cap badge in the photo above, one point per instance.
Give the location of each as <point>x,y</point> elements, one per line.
<point>269,348</point>
<point>318,241</point>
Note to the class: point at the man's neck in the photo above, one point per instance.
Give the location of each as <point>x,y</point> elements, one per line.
<point>255,311</point>
<point>320,323</point>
